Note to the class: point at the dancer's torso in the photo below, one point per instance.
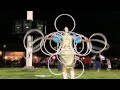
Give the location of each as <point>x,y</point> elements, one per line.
<point>67,43</point>
<point>67,53</point>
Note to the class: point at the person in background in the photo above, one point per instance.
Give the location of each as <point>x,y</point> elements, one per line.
<point>98,62</point>
<point>87,62</point>
<point>109,65</point>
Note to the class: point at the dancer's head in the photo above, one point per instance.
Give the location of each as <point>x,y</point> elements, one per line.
<point>66,29</point>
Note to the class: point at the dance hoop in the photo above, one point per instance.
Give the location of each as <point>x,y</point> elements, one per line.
<point>65,15</point>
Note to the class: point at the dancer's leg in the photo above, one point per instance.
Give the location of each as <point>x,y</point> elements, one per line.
<point>64,70</point>
<point>72,73</point>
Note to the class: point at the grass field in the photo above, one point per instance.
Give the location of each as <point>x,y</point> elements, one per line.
<point>44,73</point>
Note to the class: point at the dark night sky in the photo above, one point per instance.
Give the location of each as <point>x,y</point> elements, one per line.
<point>87,23</point>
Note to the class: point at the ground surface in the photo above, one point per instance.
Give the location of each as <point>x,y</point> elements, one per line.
<point>44,73</point>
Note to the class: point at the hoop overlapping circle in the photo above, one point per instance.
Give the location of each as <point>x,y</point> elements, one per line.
<point>74,23</point>
<point>42,44</point>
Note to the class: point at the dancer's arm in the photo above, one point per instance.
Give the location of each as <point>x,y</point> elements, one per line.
<point>85,40</point>
<point>78,39</point>
<point>49,38</point>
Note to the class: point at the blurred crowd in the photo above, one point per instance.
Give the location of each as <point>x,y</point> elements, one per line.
<point>89,62</point>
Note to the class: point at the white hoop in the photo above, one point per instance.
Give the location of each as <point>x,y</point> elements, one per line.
<point>66,15</point>
<point>50,69</point>
<point>105,41</point>
<point>82,70</point>
<point>30,31</point>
